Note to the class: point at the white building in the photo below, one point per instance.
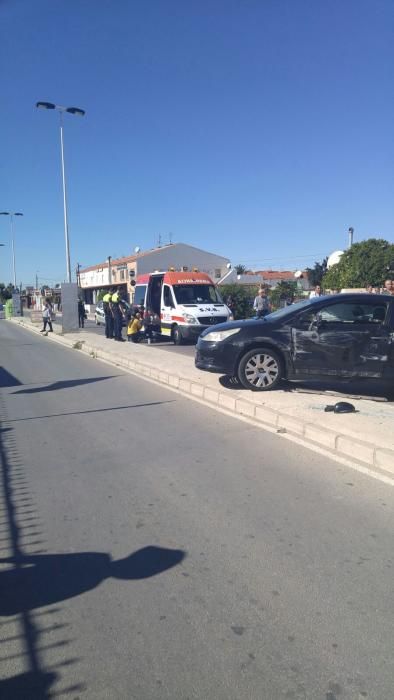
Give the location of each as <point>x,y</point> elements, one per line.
<point>119,272</point>
<point>245,279</point>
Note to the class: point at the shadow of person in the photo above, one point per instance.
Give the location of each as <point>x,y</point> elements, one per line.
<point>45,579</point>
<point>34,685</point>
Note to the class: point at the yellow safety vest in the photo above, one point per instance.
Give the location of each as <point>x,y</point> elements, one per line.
<point>107,298</point>
<point>115,298</point>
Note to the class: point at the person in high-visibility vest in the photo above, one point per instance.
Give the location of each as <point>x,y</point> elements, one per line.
<point>109,320</point>
<point>118,314</point>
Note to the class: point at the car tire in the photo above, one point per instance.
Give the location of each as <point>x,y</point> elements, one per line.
<point>260,369</point>
<point>177,337</point>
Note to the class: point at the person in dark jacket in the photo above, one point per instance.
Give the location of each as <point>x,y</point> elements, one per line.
<point>81,313</point>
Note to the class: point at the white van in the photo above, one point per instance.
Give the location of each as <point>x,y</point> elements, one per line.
<point>183,302</point>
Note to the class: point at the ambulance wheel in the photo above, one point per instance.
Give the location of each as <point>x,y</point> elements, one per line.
<point>177,337</point>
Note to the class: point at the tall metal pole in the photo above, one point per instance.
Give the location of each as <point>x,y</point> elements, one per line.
<point>13,249</point>
<point>65,202</point>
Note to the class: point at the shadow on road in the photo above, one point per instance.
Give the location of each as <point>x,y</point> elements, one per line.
<point>7,379</point>
<point>32,642</point>
<point>20,521</point>
<point>64,384</point>
<point>46,579</point>
<point>35,685</point>
<point>93,410</point>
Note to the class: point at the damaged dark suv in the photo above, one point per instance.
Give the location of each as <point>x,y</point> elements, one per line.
<point>348,336</point>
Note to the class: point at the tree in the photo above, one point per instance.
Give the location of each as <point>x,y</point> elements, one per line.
<point>240,269</point>
<point>367,262</point>
<point>5,292</point>
<point>284,291</point>
<point>242,296</point>
<point>316,273</point>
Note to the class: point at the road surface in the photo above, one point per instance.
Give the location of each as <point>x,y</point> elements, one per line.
<point>154,548</point>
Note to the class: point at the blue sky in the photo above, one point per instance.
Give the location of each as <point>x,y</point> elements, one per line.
<point>257,129</point>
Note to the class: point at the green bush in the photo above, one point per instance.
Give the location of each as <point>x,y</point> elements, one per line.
<point>243,298</point>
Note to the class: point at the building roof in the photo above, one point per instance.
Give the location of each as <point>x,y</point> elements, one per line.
<point>276,274</point>
<point>124,260</point>
<point>231,277</point>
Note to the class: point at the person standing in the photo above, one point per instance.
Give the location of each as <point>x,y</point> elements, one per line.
<point>47,317</point>
<point>109,320</point>
<point>231,305</point>
<point>117,313</point>
<point>389,287</point>
<point>261,304</point>
<point>81,314</point>
<point>316,292</point>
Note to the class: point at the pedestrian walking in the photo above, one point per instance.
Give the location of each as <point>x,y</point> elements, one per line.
<point>109,319</point>
<point>81,314</point>
<point>134,334</point>
<point>47,317</point>
<point>118,315</point>
<point>261,304</point>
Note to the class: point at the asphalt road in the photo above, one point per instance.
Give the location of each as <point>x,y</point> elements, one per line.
<point>163,344</point>
<point>152,548</point>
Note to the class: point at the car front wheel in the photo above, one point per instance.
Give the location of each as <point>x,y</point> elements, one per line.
<point>177,337</point>
<point>260,369</point>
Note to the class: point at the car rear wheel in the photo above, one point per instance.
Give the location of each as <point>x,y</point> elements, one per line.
<point>260,369</point>
<point>177,337</point>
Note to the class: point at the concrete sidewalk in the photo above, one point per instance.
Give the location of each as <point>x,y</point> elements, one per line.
<point>365,438</point>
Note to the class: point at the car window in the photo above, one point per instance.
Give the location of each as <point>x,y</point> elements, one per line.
<point>139,295</point>
<point>305,319</point>
<point>353,313</point>
<point>167,296</point>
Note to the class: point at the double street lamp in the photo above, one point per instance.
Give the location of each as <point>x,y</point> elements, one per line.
<point>11,214</point>
<point>80,113</point>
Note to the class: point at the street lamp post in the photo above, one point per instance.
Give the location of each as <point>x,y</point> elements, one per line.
<point>80,113</point>
<point>11,214</point>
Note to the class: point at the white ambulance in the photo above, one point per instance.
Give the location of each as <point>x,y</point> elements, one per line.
<point>184,303</point>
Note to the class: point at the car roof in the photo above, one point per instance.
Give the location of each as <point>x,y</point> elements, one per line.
<point>352,296</point>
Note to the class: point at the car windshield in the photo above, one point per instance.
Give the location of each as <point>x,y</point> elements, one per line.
<point>197,294</point>
<point>288,310</point>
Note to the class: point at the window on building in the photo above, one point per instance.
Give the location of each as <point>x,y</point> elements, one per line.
<point>122,274</point>
<point>218,273</point>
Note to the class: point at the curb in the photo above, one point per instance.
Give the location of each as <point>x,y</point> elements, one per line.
<point>334,444</point>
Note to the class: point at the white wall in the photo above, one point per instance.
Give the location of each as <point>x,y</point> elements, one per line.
<point>179,255</point>
<point>94,278</point>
